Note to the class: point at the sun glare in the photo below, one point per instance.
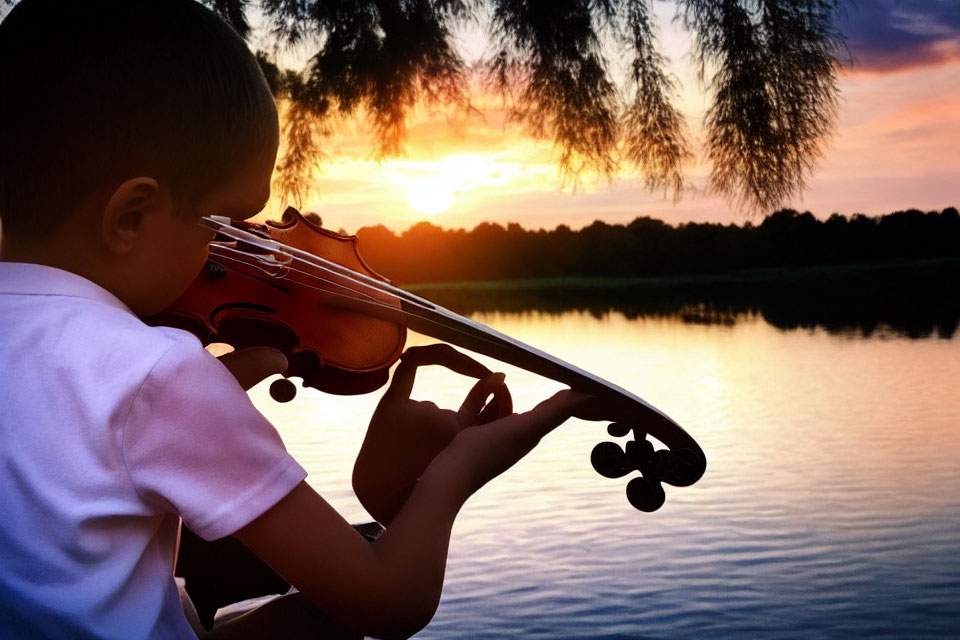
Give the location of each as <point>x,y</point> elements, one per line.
<point>430,196</point>
<point>438,183</point>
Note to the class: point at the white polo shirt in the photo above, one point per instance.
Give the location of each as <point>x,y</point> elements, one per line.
<point>109,431</point>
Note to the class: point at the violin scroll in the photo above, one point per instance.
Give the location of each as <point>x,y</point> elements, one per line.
<point>680,467</point>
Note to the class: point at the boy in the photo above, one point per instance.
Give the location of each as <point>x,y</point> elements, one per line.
<point>121,123</point>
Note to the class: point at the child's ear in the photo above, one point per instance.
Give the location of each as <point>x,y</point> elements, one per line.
<point>124,215</point>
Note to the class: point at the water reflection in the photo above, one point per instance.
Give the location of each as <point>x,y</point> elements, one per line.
<point>916,300</point>
<point>830,507</point>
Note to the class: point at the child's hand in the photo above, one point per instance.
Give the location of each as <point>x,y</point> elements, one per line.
<point>406,435</point>
<point>417,466</point>
<point>481,453</point>
<point>482,440</point>
<point>250,366</point>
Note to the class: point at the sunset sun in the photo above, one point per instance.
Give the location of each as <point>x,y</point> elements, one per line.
<point>430,195</point>
<point>437,184</point>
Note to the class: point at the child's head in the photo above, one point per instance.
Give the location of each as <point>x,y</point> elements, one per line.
<point>101,91</point>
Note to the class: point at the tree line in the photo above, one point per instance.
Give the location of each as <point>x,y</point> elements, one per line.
<point>651,247</point>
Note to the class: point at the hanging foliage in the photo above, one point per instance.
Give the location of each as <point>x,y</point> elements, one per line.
<point>769,68</point>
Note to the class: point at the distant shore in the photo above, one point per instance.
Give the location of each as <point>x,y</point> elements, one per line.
<point>913,297</point>
<point>737,277</point>
<point>649,250</point>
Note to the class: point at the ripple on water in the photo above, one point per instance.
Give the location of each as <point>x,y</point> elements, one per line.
<point>830,507</point>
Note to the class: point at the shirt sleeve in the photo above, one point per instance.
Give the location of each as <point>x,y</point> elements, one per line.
<point>194,443</point>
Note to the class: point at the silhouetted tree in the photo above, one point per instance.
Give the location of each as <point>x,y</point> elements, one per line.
<point>773,81</point>
<point>769,65</point>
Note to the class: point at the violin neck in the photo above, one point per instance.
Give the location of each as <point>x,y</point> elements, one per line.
<point>429,319</point>
<point>350,289</point>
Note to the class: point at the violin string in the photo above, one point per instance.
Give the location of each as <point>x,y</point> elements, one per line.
<point>301,272</point>
<point>367,299</point>
<point>406,297</point>
<point>486,334</point>
<point>371,301</point>
<point>223,226</point>
<point>469,339</point>
<point>483,333</point>
<point>676,436</point>
<point>367,282</point>
<point>226,228</point>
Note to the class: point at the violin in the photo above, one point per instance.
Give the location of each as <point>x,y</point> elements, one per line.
<point>306,291</point>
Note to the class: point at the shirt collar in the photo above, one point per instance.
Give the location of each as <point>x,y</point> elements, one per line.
<point>22,278</point>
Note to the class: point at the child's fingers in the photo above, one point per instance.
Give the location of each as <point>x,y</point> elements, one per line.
<point>554,411</point>
<point>434,354</point>
<point>401,386</point>
<point>473,404</point>
<point>490,449</point>
<point>250,366</point>
<point>500,406</point>
<point>446,356</point>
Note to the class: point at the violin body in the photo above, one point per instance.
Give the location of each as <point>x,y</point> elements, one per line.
<point>256,303</point>
<point>306,291</point>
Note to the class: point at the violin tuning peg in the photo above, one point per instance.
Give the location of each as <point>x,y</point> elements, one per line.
<point>283,390</point>
<point>618,429</point>
<point>661,461</point>
<point>639,452</point>
<point>680,468</point>
<point>645,494</point>
<point>609,460</point>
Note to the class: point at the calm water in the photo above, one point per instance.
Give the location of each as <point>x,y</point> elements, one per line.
<point>830,507</point>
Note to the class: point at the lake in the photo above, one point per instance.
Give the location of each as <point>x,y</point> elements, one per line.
<point>830,507</point>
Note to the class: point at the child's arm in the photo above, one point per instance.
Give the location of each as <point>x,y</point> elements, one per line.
<point>392,587</point>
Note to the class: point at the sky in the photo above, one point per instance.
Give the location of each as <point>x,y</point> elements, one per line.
<point>896,145</point>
